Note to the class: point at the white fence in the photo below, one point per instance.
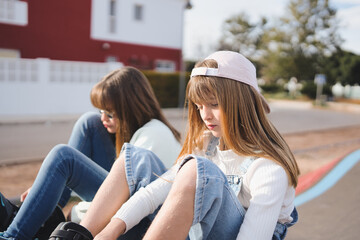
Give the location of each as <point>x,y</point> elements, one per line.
<point>48,87</point>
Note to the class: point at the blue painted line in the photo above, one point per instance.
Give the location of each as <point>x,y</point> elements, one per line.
<point>330,179</point>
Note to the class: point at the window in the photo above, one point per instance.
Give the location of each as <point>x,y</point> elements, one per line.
<point>112,16</point>
<point>111,59</point>
<point>14,12</point>
<point>165,66</point>
<point>138,12</point>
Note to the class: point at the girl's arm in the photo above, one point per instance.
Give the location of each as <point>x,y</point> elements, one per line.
<point>267,184</point>
<point>146,200</point>
<point>113,230</point>
<point>112,193</point>
<point>142,203</point>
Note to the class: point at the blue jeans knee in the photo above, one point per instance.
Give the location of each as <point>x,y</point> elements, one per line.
<point>142,167</point>
<point>91,138</point>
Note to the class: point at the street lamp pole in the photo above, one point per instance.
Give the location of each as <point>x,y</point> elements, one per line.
<point>181,98</point>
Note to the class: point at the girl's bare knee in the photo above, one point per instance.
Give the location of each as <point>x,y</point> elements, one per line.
<point>187,174</point>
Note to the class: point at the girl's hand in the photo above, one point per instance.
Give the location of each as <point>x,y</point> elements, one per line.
<point>24,195</point>
<point>112,231</point>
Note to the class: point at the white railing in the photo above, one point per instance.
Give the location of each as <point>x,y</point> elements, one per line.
<point>43,69</point>
<point>45,87</point>
<point>14,12</point>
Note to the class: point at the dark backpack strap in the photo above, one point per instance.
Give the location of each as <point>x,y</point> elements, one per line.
<point>70,231</point>
<point>51,223</point>
<point>7,212</point>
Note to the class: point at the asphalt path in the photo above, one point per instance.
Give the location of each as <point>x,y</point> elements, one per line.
<point>31,138</point>
<point>332,215</point>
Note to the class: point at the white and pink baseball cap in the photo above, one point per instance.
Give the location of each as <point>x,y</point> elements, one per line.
<point>234,66</point>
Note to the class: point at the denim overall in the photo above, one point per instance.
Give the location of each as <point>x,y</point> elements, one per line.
<point>199,230</point>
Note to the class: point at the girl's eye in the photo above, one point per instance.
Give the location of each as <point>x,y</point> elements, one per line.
<point>198,107</point>
<point>215,105</point>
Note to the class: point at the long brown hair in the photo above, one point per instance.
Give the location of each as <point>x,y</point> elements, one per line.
<point>246,128</point>
<point>127,93</point>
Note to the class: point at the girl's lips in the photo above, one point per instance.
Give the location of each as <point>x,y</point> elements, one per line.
<point>211,127</point>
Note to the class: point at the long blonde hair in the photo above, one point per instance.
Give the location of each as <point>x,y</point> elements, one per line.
<point>128,93</point>
<point>246,128</point>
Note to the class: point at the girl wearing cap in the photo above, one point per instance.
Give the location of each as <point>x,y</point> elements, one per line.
<point>235,177</point>
<point>129,112</point>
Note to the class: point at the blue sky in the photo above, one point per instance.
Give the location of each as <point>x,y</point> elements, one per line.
<point>202,24</point>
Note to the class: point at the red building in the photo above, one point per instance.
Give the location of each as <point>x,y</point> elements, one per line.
<point>142,33</point>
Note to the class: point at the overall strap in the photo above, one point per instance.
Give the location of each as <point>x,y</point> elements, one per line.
<point>244,166</point>
<point>238,179</point>
<point>211,147</point>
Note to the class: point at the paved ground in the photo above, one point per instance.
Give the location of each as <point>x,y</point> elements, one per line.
<point>334,214</point>
<point>28,139</point>
<point>315,135</point>
<point>31,138</point>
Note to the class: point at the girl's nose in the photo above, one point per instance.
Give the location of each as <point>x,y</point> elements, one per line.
<point>207,113</point>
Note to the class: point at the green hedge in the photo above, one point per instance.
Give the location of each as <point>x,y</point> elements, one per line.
<point>309,89</point>
<point>166,87</point>
<point>272,88</point>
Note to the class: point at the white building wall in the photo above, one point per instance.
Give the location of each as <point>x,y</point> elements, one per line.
<point>161,25</point>
<point>31,87</point>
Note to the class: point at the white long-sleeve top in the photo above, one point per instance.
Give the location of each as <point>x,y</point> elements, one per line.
<point>265,193</point>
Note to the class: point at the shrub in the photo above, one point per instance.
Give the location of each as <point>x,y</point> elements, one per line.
<point>272,88</point>
<point>166,87</point>
<point>309,89</point>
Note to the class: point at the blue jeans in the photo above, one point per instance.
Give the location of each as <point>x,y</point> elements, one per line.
<point>141,165</point>
<point>218,214</point>
<point>81,165</point>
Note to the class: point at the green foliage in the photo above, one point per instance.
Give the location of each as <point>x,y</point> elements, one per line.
<point>272,88</point>
<point>295,45</point>
<point>166,87</point>
<point>309,89</point>
<point>189,65</point>
<point>311,27</point>
<point>327,90</point>
<point>240,35</point>
<point>343,67</point>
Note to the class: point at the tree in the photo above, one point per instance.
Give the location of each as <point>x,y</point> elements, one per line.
<point>312,27</point>
<point>295,45</point>
<point>240,35</point>
<point>343,67</point>
<point>302,39</point>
